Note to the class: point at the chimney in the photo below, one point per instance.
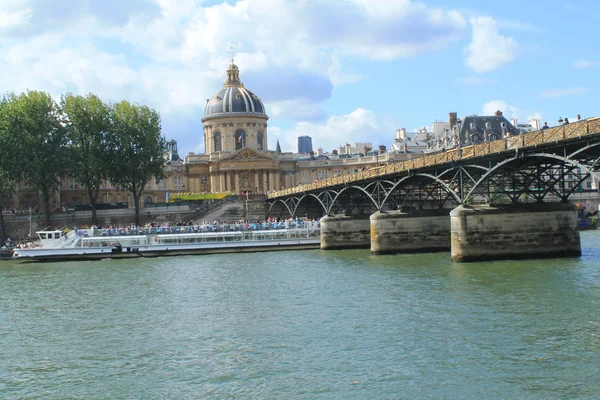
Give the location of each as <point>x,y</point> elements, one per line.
<point>452,117</point>
<point>535,124</point>
<point>403,134</point>
<point>513,121</point>
<point>498,113</point>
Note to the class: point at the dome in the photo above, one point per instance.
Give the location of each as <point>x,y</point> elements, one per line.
<point>233,98</point>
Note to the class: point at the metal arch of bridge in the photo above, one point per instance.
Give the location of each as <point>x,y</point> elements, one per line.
<point>463,184</point>
<point>328,198</point>
<point>382,191</point>
<point>532,168</point>
<point>554,173</point>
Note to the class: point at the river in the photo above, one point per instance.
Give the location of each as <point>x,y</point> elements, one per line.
<point>302,325</point>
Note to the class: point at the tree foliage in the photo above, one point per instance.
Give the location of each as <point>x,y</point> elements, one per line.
<point>41,153</point>
<point>135,149</point>
<point>9,174</point>
<point>87,123</point>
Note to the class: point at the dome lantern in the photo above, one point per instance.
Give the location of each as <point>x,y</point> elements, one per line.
<point>233,99</point>
<point>233,75</point>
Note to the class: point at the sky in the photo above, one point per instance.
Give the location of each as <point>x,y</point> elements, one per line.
<point>340,71</point>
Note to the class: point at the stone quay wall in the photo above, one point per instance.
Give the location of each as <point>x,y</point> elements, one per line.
<point>18,225</point>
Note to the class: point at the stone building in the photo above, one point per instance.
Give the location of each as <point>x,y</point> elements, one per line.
<point>236,159</point>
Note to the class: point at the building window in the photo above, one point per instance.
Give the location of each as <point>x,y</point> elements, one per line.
<point>240,139</point>
<point>73,184</point>
<point>304,177</point>
<point>259,138</point>
<point>321,174</point>
<point>178,182</point>
<point>162,185</point>
<point>217,140</point>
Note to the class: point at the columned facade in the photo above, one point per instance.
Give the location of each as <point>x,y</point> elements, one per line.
<point>237,158</point>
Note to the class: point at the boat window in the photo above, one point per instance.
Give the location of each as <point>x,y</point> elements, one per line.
<point>57,235</point>
<point>42,236</point>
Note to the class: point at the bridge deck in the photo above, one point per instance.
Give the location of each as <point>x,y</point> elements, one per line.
<point>556,134</point>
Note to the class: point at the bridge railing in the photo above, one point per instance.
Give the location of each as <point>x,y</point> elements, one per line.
<point>557,133</point>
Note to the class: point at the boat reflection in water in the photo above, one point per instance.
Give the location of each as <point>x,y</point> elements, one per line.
<point>90,244</point>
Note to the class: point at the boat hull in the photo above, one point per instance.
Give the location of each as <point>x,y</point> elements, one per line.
<point>83,253</point>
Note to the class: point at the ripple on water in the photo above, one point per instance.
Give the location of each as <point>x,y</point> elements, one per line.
<point>307,324</point>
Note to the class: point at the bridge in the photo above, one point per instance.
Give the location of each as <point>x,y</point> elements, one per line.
<point>503,198</point>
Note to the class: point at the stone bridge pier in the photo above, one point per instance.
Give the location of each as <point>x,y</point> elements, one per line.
<point>476,233</point>
<point>410,232</point>
<point>514,231</point>
<point>345,232</point>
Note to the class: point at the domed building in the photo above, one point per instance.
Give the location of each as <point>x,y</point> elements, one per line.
<point>234,117</point>
<point>236,159</point>
<point>236,156</point>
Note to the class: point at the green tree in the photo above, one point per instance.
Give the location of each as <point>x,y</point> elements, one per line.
<point>5,184</point>
<point>135,149</point>
<point>40,155</point>
<point>88,122</point>
<point>6,189</point>
<point>8,150</point>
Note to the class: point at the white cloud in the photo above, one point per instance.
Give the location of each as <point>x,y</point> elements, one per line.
<point>13,13</point>
<point>358,126</point>
<point>574,91</point>
<point>582,64</point>
<point>488,49</point>
<point>492,106</point>
<point>298,109</point>
<point>509,111</point>
<point>172,54</point>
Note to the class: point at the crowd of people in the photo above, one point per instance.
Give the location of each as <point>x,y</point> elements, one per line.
<point>562,121</point>
<point>204,226</point>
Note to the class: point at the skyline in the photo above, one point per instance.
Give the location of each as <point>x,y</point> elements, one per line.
<point>345,71</point>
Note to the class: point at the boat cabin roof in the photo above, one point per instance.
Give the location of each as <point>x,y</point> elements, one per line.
<point>50,234</point>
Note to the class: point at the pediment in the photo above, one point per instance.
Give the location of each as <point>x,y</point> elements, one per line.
<point>248,154</point>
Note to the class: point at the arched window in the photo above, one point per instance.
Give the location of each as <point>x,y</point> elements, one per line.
<point>240,139</point>
<point>217,140</point>
<point>260,140</point>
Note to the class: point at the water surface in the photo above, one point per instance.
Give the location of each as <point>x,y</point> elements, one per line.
<point>302,325</point>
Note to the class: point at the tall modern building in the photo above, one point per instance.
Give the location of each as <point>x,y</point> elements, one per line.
<point>304,144</point>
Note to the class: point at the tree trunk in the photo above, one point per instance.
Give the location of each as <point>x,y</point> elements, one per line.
<point>93,199</point>
<point>2,232</point>
<point>47,211</point>
<point>136,204</point>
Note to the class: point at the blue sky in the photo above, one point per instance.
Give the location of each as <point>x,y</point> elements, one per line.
<point>339,71</point>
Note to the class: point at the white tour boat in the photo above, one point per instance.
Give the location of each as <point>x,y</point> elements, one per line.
<point>90,244</point>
